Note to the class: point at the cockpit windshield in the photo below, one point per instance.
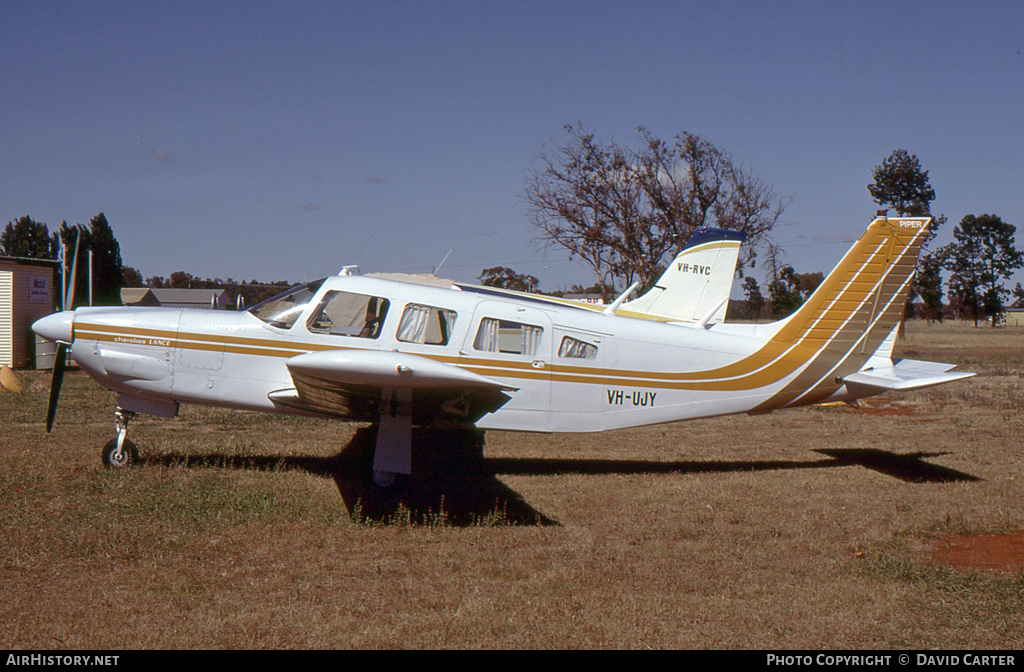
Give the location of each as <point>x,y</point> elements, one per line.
<point>282,310</point>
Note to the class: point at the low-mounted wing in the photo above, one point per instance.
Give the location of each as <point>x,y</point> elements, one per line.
<point>356,384</point>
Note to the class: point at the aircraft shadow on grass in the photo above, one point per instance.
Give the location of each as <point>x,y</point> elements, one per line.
<point>453,482</point>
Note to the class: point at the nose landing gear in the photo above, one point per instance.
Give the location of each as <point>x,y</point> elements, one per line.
<point>121,453</point>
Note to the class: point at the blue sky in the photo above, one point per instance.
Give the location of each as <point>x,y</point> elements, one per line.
<point>283,140</point>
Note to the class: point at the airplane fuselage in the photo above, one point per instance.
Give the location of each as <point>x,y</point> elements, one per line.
<point>580,370</point>
<point>401,354</point>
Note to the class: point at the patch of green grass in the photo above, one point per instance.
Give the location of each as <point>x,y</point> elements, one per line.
<point>894,562</point>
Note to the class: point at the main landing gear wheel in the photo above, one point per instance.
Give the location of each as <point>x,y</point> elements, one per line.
<point>120,459</point>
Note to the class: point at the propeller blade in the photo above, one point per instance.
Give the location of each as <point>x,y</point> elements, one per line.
<point>59,364</point>
<point>73,281</point>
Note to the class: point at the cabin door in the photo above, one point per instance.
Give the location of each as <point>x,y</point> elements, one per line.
<point>513,344</point>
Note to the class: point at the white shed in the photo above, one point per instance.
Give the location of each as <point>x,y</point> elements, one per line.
<point>26,294</point>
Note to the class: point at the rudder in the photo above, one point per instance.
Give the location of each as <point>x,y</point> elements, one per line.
<point>852,312</point>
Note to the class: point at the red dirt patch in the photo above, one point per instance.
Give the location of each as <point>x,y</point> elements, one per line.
<point>883,407</point>
<point>888,408</point>
<point>1000,553</point>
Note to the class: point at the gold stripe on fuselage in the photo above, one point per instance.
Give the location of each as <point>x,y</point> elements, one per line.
<point>832,322</point>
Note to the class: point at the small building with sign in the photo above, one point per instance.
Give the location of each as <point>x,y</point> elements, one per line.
<point>26,294</point>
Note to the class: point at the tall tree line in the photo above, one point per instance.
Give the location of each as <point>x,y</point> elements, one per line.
<point>624,211</point>
<point>982,255</point>
<point>25,237</point>
<point>28,238</point>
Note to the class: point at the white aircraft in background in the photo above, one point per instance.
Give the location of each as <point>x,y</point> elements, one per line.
<point>694,288</point>
<point>402,355</point>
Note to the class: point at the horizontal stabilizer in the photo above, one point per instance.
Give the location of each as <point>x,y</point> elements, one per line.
<point>906,374</point>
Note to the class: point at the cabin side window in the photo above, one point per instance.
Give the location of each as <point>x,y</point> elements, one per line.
<point>425,324</point>
<point>349,314</point>
<point>573,348</point>
<point>510,338</point>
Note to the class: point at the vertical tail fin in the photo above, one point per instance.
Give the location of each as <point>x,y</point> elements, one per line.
<point>697,280</point>
<point>852,312</point>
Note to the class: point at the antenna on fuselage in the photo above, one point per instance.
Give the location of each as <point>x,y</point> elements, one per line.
<point>610,310</point>
<point>702,323</point>
<point>361,248</point>
<point>435,270</point>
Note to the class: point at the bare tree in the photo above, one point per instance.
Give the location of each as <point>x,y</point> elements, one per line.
<point>625,212</point>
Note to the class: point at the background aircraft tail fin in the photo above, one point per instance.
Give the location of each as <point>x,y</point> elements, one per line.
<point>697,280</point>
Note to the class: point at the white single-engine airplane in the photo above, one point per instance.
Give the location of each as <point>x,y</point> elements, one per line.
<point>402,355</point>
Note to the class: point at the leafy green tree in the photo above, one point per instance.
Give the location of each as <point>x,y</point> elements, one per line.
<point>25,237</point>
<point>981,256</point>
<point>929,284</point>
<point>1018,296</point>
<point>506,278</point>
<point>596,288</point>
<point>625,211</point>
<point>900,184</point>
<point>755,299</point>
<point>107,267</point>
<point>132,278</point>
<point>790,289</point>
<point>182,280</point>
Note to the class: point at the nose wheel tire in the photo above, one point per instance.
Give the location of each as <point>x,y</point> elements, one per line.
<point>120,459</point>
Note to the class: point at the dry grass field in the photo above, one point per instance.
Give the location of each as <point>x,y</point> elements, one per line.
<point>895,525</point>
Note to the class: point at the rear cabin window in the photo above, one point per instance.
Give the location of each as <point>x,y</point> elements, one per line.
<point>426,324</point>
<point>510,338</point>
<point>349,314</point>
<point>573,348</point>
